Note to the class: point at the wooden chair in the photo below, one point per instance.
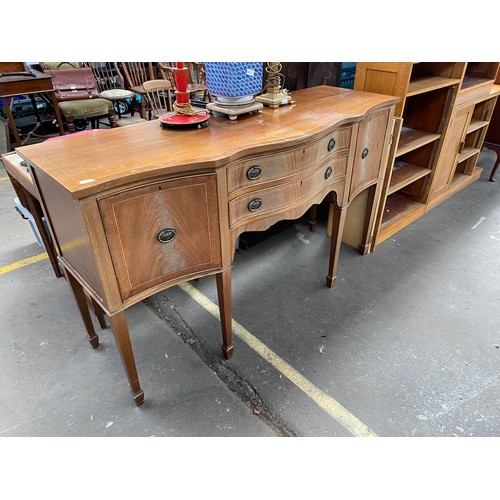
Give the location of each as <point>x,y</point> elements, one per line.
<point>111,86</point>
<point>136,73</point>
<point>82,109</point>
<point>158,94</point>
<point>197,81</point>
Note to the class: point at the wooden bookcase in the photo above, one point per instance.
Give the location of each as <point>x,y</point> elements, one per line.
<point>440,125</point>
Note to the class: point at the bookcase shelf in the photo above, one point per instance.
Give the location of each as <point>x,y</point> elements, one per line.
<point>473,81</point>
<point>467,153</point>
<point>476,125</point>
<point>398,210</point>
<point>404,173</point>
<point>428,83</point>
<point>411,139</point>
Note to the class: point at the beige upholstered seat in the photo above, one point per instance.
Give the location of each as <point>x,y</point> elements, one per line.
<point>86,108</point>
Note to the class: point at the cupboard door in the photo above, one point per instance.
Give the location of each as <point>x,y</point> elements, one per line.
<point>370,143</point>
<point>162,231</point>
<point>452,146</point>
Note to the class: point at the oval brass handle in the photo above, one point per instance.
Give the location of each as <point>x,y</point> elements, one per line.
<point>364,154</point>
<point>254,172</point>
<point>255,204</point>
<point>331,144</point>
<point>166,235</point>
<point>328,172</point>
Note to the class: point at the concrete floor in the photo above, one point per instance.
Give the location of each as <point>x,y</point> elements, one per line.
<point>406,344</point>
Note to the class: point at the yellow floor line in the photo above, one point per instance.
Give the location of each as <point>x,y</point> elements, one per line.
<point>22,263</point>
<point>4,178</point>
<point>325,402</point>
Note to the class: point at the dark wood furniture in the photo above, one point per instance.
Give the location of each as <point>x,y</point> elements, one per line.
<point>139,209</point>
<point>27,82</point>
<point>492,139</point>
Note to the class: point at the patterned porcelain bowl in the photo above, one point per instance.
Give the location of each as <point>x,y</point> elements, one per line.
<point>234,82</point>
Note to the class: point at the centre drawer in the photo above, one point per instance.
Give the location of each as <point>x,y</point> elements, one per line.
<point>161,231</point>
<point>287,194</point>
<point>260,169</point>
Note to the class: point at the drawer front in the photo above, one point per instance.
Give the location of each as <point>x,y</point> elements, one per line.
<point>162,231</point>
<point>367,167</point>
<point>266,168</point>
<point>265,201</point>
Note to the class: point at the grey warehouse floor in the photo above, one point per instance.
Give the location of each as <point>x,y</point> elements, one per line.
<point>405,345</point>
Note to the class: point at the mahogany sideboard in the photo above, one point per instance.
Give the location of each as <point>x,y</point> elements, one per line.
<point>135,210</point>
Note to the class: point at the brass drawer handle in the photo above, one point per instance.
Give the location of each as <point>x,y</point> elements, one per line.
<point>331,144</point>
<point>255,204</point>
<point>166,235</point>
<point>254,172</point>
<point>364,154</point>
<point>328,172</point>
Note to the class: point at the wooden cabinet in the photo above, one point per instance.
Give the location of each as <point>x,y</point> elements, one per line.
<point>442,118</point>
<point>370,147</point>
<point>161,231</point>
<point>451,151</point>
<point>135,210</point>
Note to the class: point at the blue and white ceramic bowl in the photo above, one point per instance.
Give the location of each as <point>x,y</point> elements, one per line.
<point>234,82</point>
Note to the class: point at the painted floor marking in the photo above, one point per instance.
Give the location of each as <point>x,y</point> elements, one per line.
<point>23,262</point>
<point>481,219</point>
<point>4,178</point>
<point>325,402</point>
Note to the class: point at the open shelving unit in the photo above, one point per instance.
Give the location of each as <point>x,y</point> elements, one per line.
<point>471,115</point>
<point>435,143</point>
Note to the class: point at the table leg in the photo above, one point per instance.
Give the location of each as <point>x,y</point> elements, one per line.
<point>225,308</point>
<point>11,121</point>
<point>339,215</point>
<point>313,217</point>
<point>99,313</point>
<point>81,302</point>
<point>58,114</point>
<point>36,211</point>
<point>120,331</point>
<point>5,125</point>
<point>495,166</point>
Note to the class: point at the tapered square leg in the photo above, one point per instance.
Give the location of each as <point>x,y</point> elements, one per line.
<point>225,308</point>
<point>339,215</point>
<point>120,331</point>
<point>81,302</point>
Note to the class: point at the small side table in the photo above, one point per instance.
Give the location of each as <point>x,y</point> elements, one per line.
<point>29,197</point>
<point>16,84</point>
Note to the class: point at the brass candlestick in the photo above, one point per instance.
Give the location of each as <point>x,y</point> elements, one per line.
<point>274,95</point>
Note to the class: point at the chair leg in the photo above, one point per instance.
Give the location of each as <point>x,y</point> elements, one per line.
<point>71,124</point>
<point>112,118</point>
<point>133,105</point>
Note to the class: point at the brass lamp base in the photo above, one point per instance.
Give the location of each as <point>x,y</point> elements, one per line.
<point>274,98</point>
